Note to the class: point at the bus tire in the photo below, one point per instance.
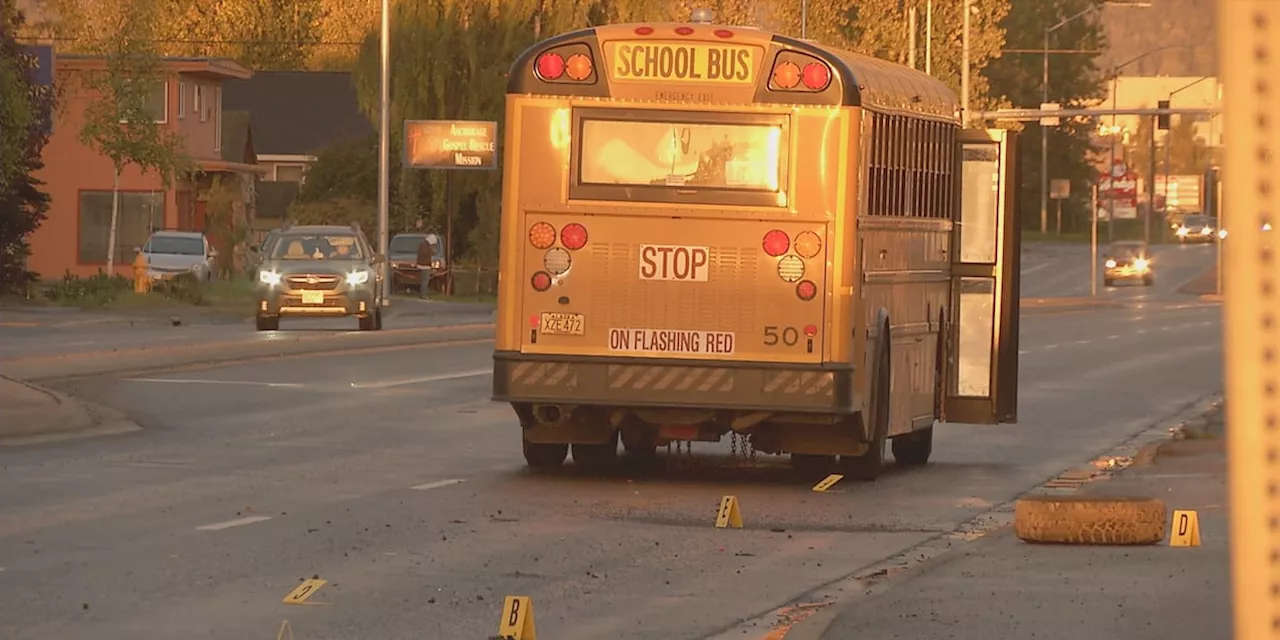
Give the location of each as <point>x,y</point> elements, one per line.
<point>545,455</point>
<point>596,457</point>
<point>913,449</point>
<point>868,466</point>
<point>1089,519</point>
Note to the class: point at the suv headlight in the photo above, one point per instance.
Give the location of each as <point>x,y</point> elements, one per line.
<point>1182,231</point>
<point>1141,264</point>
<point>1111,264</point>
<point>357,278</point>
<point>269,278</point>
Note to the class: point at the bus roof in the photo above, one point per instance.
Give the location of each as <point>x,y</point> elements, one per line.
<point>877,85</point>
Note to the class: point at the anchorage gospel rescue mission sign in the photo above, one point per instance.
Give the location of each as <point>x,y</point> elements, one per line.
<point>450,144</point>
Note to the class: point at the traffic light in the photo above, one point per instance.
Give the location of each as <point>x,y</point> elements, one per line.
<point>1162,120</point>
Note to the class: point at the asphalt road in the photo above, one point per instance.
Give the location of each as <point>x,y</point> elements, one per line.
<point>394,477</point>
<point>1062,270</point>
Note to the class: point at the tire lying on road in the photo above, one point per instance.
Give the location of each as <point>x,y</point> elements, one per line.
<point>1089,519</point>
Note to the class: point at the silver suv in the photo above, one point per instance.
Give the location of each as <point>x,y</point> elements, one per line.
<point>320,271</point>
<point>172,253</point>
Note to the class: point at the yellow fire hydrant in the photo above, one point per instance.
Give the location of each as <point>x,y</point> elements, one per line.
<point>141,282</point>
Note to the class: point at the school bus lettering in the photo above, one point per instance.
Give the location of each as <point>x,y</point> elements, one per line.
<point>683,63</point>
<point>673,262</point>
<point>671,341</point>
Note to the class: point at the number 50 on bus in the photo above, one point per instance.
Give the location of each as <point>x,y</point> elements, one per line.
<point>711,230</point>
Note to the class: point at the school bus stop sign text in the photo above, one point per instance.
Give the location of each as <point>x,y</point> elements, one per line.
<point>450,144</point>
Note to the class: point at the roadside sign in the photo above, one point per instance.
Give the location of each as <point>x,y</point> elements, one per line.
<point>1059,189</point>
<point>450,144</point>
<point>1050,121</point>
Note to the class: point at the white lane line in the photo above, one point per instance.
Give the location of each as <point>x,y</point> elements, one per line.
<point>1051,346</point>
<point>239,522</point>
<point>229,382</point>
<point>436,485</point>
<point>424,379</point>
<point>1113,337</point>
<point>1083,341</point>
<point>1023,353</point>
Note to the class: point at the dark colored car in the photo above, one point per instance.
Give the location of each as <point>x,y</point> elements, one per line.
<point>320,271</point>
<point>403,253</point>
<point>1128,260</point>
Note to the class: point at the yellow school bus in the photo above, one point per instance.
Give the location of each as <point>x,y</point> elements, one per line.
<point>714,231</point>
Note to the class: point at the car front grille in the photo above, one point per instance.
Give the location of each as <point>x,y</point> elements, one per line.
<point>313,282</point>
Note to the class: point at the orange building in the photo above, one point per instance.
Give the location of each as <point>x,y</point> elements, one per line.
<point>74,237</point>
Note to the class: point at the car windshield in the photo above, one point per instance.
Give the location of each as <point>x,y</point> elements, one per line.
<point>1197,221</point>
<point>175,245</point>
<point>1128,250</point>
<point>317,247</point>
<point>405,244</point>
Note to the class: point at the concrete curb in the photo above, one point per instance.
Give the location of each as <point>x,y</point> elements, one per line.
<point>77,365</point>
<point>62,419</point>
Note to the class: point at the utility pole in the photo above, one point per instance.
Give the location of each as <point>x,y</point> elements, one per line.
<point>911,38</point>
<point>1151,185</point>
<point>928,37</point>
<point>964,72</point>
<point>1044,142</point>
<point>384,153</point>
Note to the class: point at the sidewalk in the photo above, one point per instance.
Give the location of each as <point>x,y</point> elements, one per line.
<point>1005,588</point>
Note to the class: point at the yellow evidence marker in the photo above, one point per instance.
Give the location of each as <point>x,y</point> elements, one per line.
<point>303,591</point>
<point>284,626</point>
<point>730,515</point>
<point>827,482</point>
<point>1185,531</point>
<point>517,619</point>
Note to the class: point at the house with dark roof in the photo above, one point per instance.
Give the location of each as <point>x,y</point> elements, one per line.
<point>295,114</point>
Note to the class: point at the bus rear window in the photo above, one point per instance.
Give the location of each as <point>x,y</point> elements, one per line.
<point>681,155</point>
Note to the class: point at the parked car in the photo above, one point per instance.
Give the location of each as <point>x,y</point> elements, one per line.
<point>403,251</point>
<point>320,271</point>
<point>1128,260</point>
<point>171,253</point>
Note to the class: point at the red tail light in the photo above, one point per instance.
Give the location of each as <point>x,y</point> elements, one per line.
<point>786,75</point>
<point>808,244</point>
<point>542,235</point>
<point>806,291</point>
<point>723,33</point>
<point>644,31</point>
<point>816,76</point>
<point>541,281</point>
<point>550,66</point>
<point>684,31</point>
<point>573,236</point>
<point>810,330</point>
<point>776,243</point>
<point>578,67</point>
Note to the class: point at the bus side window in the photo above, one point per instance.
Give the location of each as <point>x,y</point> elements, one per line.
<point>982,375</point>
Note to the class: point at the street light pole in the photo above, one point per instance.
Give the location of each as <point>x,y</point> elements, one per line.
<point>384,152</point>
<point>1044,139</point>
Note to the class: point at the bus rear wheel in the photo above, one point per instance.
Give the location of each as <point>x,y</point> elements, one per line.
<point>545,455</point>
<point>869,465</point>
<point>596,457</point>
<point>913,449</point>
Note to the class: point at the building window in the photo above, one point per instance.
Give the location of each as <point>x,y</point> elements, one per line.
<point>290,172</point>
<point>201,106</point>
<point>157,104</point>
<point>182,100</point>
<point>141,212</point>
<point>217,119</point>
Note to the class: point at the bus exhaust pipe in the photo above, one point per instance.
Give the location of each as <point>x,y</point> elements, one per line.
<point>549,413</point>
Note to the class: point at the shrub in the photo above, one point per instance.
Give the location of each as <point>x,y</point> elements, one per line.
<point>184,287</point>
<point>94,291</point>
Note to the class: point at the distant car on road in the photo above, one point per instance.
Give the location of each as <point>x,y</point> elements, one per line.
<point>320,271</point>
<point>1128,260</point>
<point>1199,228</point>
<point>173,253</point>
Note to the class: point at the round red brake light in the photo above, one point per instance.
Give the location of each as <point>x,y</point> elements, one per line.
<point>806,290</point>
<point>573,236</point>
<point>578,66</point>
<point>816,76</point>
<point>550,66</point>
<point>786,75</point>
<point>541,281</point>
<point>776,243</point>
<point>542,235</point>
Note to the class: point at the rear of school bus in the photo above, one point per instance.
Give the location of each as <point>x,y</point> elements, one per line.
<point>676,253</point>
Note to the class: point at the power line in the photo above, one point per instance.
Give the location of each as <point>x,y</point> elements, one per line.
<point>322,43</point>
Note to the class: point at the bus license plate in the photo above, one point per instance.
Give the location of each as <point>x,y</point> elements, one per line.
<point>563,324</point>
<point>312,297</point>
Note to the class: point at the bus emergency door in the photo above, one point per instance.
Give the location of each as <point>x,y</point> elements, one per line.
<point>981,376</point>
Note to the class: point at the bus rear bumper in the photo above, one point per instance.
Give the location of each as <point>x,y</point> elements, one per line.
<point>655,382</point>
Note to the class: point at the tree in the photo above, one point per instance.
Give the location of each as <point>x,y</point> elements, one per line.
<point>1074,82</point>
<point>119,122</point>
<point>341,211</point>
<point>346,169</point>
<point>25,113</point>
